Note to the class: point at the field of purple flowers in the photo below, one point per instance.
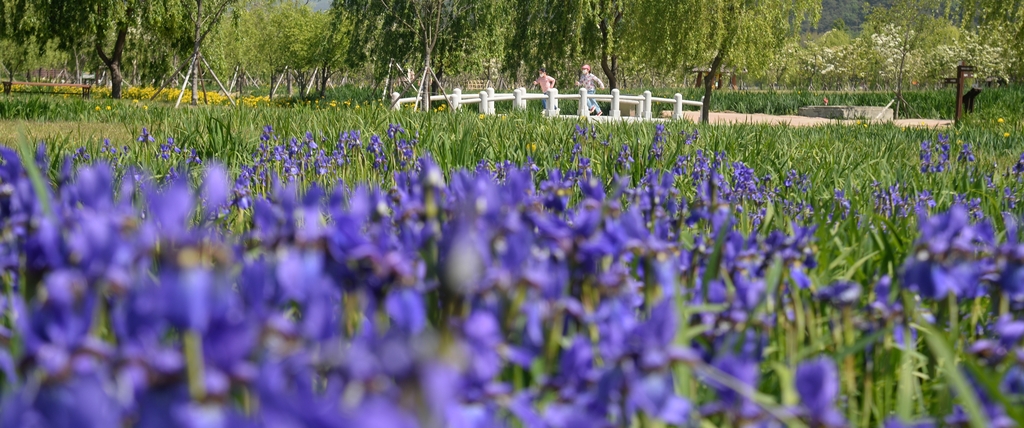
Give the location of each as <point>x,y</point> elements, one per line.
<point>534,293</point>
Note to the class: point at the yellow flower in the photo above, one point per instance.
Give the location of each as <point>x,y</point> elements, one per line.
<point>1000,120</point>
<point>145,107</point>
<point>533,147</point>
<point>481,116</point>
<point>97,108</point>
<point>858,122</point>
<point>108,107</point>
<point>135,101</point>
<point>1006,135</point>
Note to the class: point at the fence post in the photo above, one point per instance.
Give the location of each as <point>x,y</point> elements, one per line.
<point>647,104</point>
<point>615,104</point>
<point>483,102</point>
<point>583,110</point>
<point>394,101</point>
<point>552,110</point>
<point>456,100</point>
<point>677,112</point>
<point>490,100</point>
<point>518,102</point>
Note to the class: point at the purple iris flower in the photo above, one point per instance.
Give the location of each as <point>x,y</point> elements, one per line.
<point>841,293</point>
<point>145,137</point>
<point>817,382</point>
<point>894,422</point>
<point>216,187</point>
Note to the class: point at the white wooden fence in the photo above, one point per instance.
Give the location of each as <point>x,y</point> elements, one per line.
<point>486,99</point>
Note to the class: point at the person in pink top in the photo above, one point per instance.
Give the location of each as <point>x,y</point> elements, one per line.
<point>546,83</point>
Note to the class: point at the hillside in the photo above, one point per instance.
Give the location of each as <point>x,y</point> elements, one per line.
<point>320,4</point>
<point>852,12</point>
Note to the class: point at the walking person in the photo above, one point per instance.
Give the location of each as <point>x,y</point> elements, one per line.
<point>546,83</point>
<point>587,81</point>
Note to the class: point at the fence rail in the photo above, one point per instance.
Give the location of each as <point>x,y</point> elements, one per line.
<point>485,100</point>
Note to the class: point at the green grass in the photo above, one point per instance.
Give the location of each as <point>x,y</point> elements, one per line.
<point>931,104</point>
<point>835,154</point>
<point>850,158</point>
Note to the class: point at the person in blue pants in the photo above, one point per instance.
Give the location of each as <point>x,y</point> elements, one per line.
<point>546,83</point>
<point>587,81</point>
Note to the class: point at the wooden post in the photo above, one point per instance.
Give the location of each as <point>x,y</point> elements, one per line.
<point>309,84</point>
<point>647,104</point>
<point>187,75</point>
<point>615,104</point>
<point>677,110</point>
<point>484,101</point>
<point>583,110</point>
<point>456,99</point>
<point>394,101</point>
<point>226,93</point>
<point>231,83</point>
<point>962,72</point>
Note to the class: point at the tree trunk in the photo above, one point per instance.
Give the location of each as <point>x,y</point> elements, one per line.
<point>113,62</point>
<point>272,87</point>
<point>78,68</point>
<point>435,85</point>
<point>899,86</point>
<point>116,80</point>
<point>241,82</point>
<point>324,77</point>
<point>609,60</point>
<point>203,83</point>
<point>709,83</point>
<point>611,70</point>
<point>195,53</point>
<point>424,87</point>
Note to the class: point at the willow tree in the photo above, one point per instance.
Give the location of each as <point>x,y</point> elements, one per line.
<point>18,21</point>
<point>427,30</point>
<point>749,33</point>
<point>103,23</point>
<point>557,34</point>
<point>743,33</point>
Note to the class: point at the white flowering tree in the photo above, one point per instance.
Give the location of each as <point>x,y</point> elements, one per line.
<point>899,35</point>
<point>999,24</point>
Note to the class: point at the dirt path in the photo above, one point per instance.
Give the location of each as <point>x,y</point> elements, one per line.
<point>733,118</point>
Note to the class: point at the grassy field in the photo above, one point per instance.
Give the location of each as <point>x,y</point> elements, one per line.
<point>991,104</point>
<point>865,272</point>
